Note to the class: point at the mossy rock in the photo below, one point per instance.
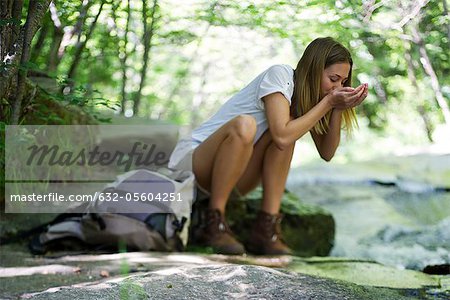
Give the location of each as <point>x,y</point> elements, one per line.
<point>363,273</point>
<point>48,111</point>
<point>307,229</point>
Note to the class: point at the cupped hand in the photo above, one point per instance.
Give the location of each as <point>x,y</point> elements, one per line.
<point>348,97</point>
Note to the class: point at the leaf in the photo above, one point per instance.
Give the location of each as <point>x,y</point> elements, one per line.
<point>103,120</point>
<point>28,66</point>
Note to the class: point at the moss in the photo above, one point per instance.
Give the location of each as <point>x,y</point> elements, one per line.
<point>130,290</point>
<point>290,203</point>
<point>307,229</point>
<point>363,273</point>
<point>46,107</point>
<point>199,249</point>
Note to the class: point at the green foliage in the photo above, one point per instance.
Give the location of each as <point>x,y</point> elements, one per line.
<point>2,161</point>
<point>202,52</point>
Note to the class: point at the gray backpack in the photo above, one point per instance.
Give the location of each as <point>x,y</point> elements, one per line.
<point>142,209</point>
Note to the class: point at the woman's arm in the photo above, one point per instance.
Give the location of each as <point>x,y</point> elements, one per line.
<point>327,144</point>
<point>286,131</point>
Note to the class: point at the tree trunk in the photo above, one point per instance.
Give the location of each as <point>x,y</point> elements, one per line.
<point>36,52</point>
<point>58,34</point>
<point>420,108</point>
<point>63,37</point>
<point>12,11</point>
<point>368,8</point>
<point>81,45</point>
<point>78,28</point>
<point>429,70</point>
<point>53,55</point>
<point>123,54</point>
<point>5,34</point>
<point>201,96</point>
<point>148,35</point>
<point>182,81</point>
<point>447,15</point>
<point>17,15</point>
<point>211,9</point>
<point>36,11</point>
<point>378,86</point>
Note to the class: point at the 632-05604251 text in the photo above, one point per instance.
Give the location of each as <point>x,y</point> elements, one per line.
<point>100,196</point>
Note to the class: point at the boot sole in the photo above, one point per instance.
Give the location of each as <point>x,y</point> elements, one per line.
<point>253,251</point>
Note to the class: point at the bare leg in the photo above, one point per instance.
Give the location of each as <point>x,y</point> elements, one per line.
<point>272,165</point>
<point>221,159</point>
<point>251,178</point>
<point>275,171</point>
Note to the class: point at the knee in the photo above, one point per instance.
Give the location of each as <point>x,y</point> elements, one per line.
<point>288,149</point>
<point>285,148</point>
<point>244,126</point>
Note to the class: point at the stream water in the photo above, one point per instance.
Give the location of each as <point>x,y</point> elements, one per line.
<point>405,224</point>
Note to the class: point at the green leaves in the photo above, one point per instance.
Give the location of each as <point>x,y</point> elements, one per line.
<point>205,51</point>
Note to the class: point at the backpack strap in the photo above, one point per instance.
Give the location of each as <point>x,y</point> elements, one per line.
<point>38,229</point>
<point>179,225</point>
<point>99,220</point>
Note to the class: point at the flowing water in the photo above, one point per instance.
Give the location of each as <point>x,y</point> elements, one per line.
<point>402,223</point>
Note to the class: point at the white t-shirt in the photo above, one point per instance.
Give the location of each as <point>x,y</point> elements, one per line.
<point>278,78</point>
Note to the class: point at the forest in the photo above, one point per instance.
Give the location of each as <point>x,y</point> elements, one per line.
<point>177,61</point>
<point>378,212</point>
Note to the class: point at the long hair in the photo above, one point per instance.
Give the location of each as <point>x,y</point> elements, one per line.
<point>318,55</point>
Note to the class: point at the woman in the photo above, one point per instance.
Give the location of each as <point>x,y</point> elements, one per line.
<point>251,139</point>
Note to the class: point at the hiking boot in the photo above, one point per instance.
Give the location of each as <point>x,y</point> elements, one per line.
<point>217,234</point>
<point>265,236</point>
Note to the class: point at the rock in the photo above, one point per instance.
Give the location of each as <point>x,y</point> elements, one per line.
<point>363,273</point>
<point>218,281</point>
<point>144,275</point>
<point>45,108</point>
<point>437,269</point>
<point>307,229</point>
<point>155,141</point>
<point>48,269</point>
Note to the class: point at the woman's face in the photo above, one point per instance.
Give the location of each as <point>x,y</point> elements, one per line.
<point>334,76</point>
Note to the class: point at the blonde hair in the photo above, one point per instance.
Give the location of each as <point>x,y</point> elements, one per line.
<point>319,54</point>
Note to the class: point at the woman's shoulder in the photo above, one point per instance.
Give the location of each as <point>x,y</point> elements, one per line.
<point>281,70</point>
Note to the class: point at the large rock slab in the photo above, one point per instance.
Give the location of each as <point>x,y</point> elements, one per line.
<point>365,273</point>
<point>139,275</point>
<point>217,281</point>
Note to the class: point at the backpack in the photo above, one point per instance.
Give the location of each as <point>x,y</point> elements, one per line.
<point>150,212</point>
